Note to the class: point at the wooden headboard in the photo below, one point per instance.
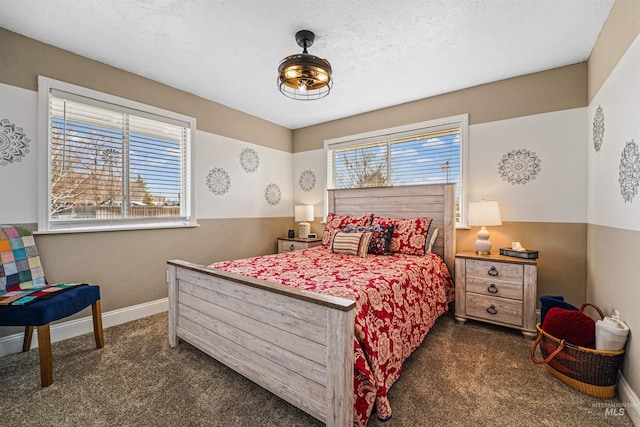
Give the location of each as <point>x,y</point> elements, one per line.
<point>436,201</point>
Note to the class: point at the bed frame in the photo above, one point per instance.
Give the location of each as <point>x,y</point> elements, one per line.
<point>295,343</point>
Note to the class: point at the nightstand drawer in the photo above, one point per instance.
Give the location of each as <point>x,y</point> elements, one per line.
<point>495,270</point>
<point>494,309</point>
<point>496,288</point>
<point>288,246</point>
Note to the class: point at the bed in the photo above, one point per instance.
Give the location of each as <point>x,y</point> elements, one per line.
<point>300,334</point>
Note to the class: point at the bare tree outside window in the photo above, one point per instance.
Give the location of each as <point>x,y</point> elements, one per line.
<point>86,174</point>
<point>360,168</point>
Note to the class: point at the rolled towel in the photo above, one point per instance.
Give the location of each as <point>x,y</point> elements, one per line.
<point>611,334</point>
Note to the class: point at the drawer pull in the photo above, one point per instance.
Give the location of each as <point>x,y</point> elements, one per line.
<point>292,247</point>
<point>492,289</point>
<point>492,310</point>
<point>492,271</point>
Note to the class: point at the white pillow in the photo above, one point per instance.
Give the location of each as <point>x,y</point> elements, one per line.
<point>432,240</point>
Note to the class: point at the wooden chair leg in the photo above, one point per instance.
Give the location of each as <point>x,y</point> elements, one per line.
<point>97,324</point>
<point>46,360</point>
<point>28,335</point>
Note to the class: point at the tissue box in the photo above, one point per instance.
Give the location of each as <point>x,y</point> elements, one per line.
<point>519,254</point>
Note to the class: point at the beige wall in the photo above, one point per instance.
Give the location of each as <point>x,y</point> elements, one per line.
<point>620,30</point>
<point>612,283</point>
<point>554,90</point>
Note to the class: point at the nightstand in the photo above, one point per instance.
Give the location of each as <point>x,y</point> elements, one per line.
<point>294,244</point>
<point>497,289</point>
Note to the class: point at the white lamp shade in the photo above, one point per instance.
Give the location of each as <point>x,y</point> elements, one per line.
<point>484,213</point>
<point>304,213</point>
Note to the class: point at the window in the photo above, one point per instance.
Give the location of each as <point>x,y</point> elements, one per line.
<point>111,163</point>
<point>422,153</point>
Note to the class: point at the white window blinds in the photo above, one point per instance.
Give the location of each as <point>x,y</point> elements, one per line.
<point>111,163</point>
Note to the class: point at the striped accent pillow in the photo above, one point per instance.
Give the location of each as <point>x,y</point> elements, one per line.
<point>350,243</point>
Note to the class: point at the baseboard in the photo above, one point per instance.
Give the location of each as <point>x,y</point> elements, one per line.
<point>629,399</point>
<point>60,331</point>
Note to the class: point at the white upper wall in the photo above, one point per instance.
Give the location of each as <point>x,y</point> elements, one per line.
<point>18,179</point>
<point>266,176</point>
<point>558,193</point>
<point>619,98</point>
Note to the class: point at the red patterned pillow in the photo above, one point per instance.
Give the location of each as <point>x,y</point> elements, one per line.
<point>409,235</point>
<point>338,222</point>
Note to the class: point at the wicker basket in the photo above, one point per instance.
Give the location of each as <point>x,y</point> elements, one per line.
<point>594,372</point>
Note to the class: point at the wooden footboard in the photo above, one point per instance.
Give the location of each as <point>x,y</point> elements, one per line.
<point>294,343</point>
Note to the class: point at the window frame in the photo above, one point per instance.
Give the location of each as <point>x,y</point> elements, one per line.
<point>412,129</point>
<point>46,225</point>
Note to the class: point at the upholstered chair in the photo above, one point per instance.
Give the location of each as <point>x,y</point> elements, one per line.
<point>26,299</point>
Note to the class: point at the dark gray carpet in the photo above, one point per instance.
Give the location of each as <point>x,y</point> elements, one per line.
<point>472,374</point>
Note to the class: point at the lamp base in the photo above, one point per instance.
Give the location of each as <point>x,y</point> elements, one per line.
<point>483,244</point>
<point>304,228</point>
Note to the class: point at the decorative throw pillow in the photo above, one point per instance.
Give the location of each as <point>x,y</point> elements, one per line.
<point>380,237</point>
<point>409,235</point>
<point>572,326</point>
<point>338,222</point>
<point>432,235</point>
<point>350,243</point>
<point>20,266</point>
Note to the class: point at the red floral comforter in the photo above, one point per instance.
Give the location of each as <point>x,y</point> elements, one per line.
<point>398,299</point>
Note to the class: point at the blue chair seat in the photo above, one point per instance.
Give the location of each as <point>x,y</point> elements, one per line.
<point>46,311</point>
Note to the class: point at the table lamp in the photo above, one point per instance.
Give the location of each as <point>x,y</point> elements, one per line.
<point>303,214</point>
<point>483,214</point>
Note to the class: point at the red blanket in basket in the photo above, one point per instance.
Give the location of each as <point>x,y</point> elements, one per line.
<point>572,326</point>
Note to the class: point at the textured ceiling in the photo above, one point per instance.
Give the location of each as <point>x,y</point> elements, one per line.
<point>382,52</point>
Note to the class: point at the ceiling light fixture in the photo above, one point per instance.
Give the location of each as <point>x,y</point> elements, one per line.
<point>303,76</point>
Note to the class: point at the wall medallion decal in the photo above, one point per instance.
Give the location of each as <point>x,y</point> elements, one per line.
<point>249,160</point>
<point>218,181</point>
<point>14,144</point>
<point>519,166</point>
<point>598,129</point>
<point>629,176</point>
<point>272,194</point>
<point>307,180</point>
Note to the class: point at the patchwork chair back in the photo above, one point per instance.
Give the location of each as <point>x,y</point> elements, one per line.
<point>26,299</point>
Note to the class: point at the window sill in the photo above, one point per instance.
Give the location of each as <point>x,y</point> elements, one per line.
<point>114,228</point>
